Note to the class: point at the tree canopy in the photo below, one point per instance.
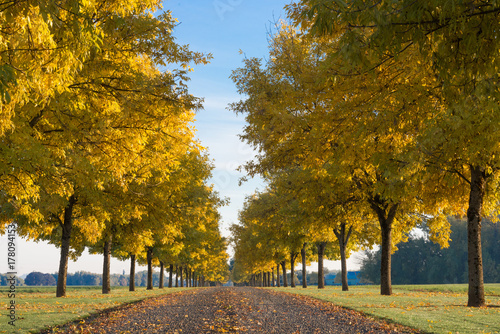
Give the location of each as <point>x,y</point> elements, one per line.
<point>394,104</point>
<point>97,131</point>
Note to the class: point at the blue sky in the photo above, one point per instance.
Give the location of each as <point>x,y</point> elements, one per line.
<point>223,28</point>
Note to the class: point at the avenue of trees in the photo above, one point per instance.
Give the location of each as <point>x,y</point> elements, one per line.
<point>97,144</point>
<point>370,119</point>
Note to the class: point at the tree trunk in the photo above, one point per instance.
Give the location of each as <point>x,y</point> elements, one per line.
<point>304,264</point>
<point>321,275</point>
<point>67,226</point>
<point>293,256</point>
<point>268,279</point>
<point>278,283</point>
<point>285,280</point>
<point>272,278</point>
<point>162,273</point>
<point>386,213</point>
<point>475,259</point>
<point>106,277</point>
<point>181,278</point>
<point>385,264</point>
<point>343,239</point>
<point>176,276</point>
<point>343,261</point>
<point>131,286</point>
<point>170,275</point>
<point>150,268</point>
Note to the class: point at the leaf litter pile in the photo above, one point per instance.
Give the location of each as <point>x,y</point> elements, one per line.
<point>230,310</point>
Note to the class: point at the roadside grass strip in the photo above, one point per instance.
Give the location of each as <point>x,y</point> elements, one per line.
<point>428,308</point>
<point>38,308</point>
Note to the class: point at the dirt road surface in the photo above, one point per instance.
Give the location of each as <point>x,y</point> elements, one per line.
<point>231,310</point>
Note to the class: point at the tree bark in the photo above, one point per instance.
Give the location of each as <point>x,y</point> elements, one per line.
<point>278,283</point>
<point>293,256</point>
<point>475,259</point>
<point>181,278</point>
<point>149,257</point>
<point>304,264</point>
<point>272,278</point>
<point>386,213</point>
<point>106,278</point>
<point>170,275</point>
<point>321,275</point>
<point>268,279</point>
<point>162,273</point>
<point>285,280</point>
<point>176,276</point>
<point>67,226</point>
<point>131,286</point>
<point>343,239</point>
<point>385,264</point>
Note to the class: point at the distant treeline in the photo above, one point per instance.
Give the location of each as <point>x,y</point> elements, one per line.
<point>82,278</point>
<point>420,261</point>
<point>4,280</point>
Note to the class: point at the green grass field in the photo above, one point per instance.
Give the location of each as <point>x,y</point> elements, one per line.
<point>429,308</point>
<point>39,308</point>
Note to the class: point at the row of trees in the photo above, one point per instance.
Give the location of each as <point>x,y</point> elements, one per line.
<point>96,138</point>
<point>371,118</point>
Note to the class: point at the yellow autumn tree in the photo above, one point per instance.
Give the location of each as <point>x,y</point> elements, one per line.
<point>457,42</point>
<point>117,120</point>
<point>326,206</point>
<point>301,111</point>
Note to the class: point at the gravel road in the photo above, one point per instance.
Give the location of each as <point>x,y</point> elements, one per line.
<point>231,310</point>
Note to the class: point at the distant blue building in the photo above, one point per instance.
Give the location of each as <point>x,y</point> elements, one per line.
<point>330,279</point>
<point>353,278</point>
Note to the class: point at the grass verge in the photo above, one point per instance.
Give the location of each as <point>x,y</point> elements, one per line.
<point>38,307</point>
<point>429,308</point>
